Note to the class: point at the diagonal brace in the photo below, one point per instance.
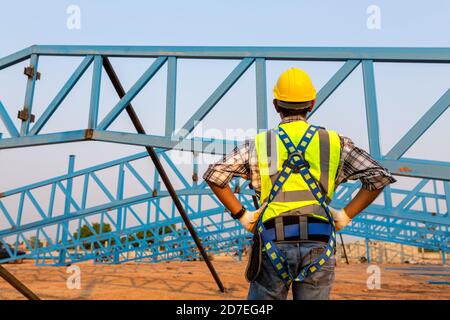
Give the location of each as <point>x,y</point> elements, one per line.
<point>215,97</point>
<point>62,94</point>
<point>19,286</point>
<point>140,129</point>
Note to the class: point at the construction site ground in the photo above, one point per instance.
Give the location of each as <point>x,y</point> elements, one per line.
<point>191,280</point>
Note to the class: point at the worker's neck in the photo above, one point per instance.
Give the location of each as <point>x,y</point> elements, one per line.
<point>292,118</point>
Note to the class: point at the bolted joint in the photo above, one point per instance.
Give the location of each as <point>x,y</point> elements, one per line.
<point>88,134</point>
<point>29,72</point>
<point>24,115</point>
<point>195,177</point>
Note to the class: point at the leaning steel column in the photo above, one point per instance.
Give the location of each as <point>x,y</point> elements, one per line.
<point>19,286</point>
<point>151,152</point>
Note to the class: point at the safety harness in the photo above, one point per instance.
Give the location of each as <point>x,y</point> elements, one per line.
<point>296,163</point>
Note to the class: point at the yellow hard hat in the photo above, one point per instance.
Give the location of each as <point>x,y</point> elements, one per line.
<point>294,85</point>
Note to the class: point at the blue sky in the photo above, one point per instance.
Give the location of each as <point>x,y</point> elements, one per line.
<point>231,22</point>
<point>404,91</point>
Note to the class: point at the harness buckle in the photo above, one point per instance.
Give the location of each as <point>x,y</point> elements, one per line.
<point>290,163</point>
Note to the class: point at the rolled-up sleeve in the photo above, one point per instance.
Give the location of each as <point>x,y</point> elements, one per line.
<point>357,164</point>
<point>234,164</point>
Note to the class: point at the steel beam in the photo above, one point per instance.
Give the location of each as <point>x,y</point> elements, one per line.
<point>171,95</point>
<point>29,95</point>
<point>409,55</point>
<point>371,109</point>
<point>332,84</point>
<point>261,95</point>
<point>95,92</point>
<point>425,122</point>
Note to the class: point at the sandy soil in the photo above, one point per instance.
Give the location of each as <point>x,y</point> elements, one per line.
<point>191,280</point>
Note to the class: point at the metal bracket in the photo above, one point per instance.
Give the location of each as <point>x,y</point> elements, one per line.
<point>24,115</point>
<point>89,133</point>
<point>29,72</point>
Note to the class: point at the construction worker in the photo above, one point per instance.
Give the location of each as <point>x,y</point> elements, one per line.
<point>294,169</point>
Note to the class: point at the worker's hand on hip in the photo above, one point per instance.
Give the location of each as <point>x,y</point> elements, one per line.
<point>341,219</point>
<point>250,218</point>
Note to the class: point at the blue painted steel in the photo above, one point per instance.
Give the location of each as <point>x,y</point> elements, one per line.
<point>44,139</point>
<point>334,83</point>
<point>419,227</point>
<point>67,205</point>
<point>439,170</point>
<point>15,58</point>
<point>447,196</point>
<point>171,95</point>
<point>95,92</point>
<point>368,256</point>
<point>419,55</point>
<point>351,56</point>
<point>371,109</point>
<point>29,95</point>
<point>404,216</point>
<point>426,274</point>
<point>261,95</point>
<point>430,268</point>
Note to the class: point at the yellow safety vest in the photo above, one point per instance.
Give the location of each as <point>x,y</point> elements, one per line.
<point>323,156</point>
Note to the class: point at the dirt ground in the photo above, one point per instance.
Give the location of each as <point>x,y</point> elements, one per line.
<point>191,280</point>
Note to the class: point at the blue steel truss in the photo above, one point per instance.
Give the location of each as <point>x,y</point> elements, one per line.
<point>145,225</point>
<point>409,221</point>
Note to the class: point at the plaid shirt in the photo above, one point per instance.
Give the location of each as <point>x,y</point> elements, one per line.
<point>355,164</point>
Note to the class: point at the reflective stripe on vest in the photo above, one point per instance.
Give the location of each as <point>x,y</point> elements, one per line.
<point>323,156</point>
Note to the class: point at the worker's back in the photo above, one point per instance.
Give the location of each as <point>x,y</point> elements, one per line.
<point>322,156</point>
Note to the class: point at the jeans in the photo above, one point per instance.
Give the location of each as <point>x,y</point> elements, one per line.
<point>317,286</point>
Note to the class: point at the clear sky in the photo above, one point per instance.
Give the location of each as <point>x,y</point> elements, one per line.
<point>231,22</point>
<point>404,91</point>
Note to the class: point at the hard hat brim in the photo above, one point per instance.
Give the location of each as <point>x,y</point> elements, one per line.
<point>294,105</point>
